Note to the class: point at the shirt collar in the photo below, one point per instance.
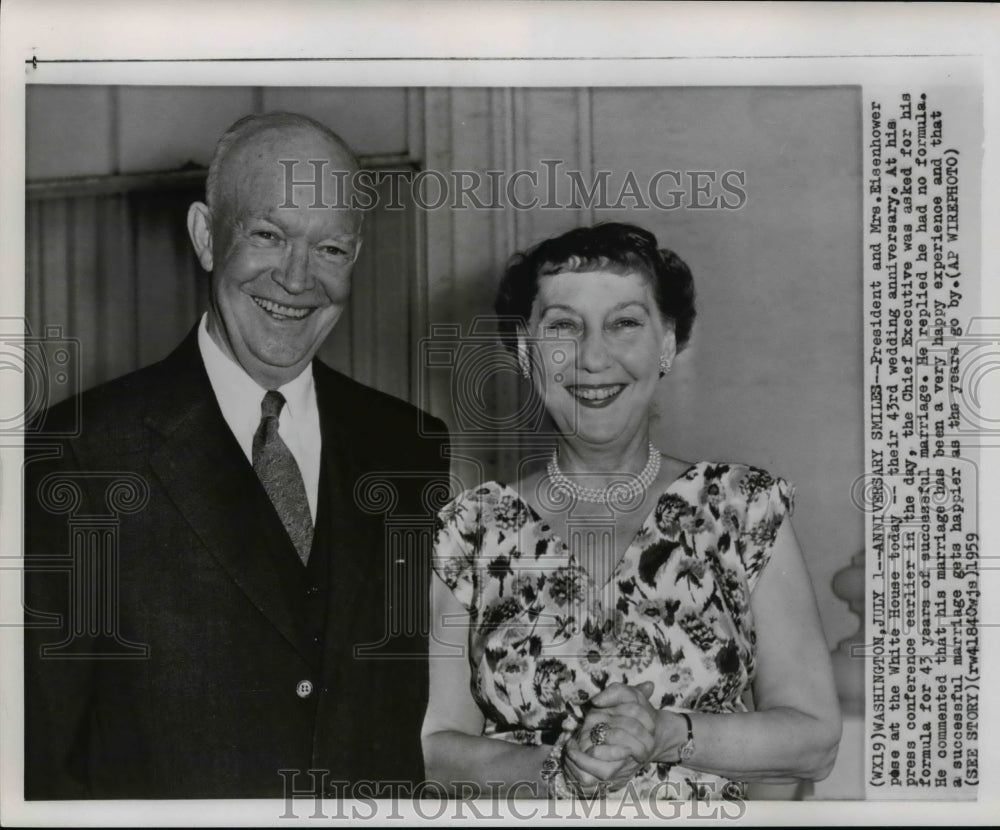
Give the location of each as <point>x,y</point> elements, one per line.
<point>239,394</point>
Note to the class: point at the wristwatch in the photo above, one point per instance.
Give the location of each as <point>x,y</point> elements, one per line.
<point>687,748</point>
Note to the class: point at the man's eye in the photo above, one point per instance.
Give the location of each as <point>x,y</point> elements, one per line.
<point>333,250</point>
<point>265,236</point>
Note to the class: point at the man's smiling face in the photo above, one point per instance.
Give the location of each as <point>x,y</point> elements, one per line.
<point>281,276</point>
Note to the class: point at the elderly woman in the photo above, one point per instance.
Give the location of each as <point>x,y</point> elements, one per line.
<point>601,622</point>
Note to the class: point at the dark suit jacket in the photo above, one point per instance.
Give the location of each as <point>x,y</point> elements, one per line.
<point>182,658</point>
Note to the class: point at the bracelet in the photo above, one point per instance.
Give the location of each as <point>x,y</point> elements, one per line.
<point>559,788</point>
<point>552,773</point>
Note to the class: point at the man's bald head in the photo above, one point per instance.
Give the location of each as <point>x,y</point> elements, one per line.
<point>267,128</point>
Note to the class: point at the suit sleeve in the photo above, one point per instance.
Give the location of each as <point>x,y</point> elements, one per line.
<point>58,676</point>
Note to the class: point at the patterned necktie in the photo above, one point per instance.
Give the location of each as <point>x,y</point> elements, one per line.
<point>276,468</point>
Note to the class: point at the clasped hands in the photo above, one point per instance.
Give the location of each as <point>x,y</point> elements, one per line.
<point>636,733</point>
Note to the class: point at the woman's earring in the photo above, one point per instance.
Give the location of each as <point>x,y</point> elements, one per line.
<point>522,360</point>
<point>665,364</point>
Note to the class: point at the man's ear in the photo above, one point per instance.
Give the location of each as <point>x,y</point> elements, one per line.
<point>199,225</point>
<point>359,231</point>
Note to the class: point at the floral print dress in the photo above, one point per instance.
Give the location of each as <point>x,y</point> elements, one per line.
<point>545,637</point>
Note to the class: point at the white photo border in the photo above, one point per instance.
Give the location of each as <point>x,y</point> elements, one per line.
<point>494,44</point>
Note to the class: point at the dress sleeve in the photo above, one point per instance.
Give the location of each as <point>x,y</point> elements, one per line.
<point>769,501</point>
<point>455,545</point>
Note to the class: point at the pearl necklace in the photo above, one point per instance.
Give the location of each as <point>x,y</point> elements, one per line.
<point>620,491</point>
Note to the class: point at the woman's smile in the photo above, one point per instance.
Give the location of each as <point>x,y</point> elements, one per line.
<point>596,396</point>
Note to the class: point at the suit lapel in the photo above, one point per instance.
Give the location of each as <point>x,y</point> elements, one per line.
<point>205,473</point>
<point>354,534</point>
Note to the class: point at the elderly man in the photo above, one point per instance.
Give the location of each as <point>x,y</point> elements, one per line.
<point>231,634</point>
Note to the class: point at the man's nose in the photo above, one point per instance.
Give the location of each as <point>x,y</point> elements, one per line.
<point>594,356</point>
<point>294,275</point>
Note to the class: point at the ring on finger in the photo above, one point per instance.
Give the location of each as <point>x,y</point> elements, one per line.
<point>599,733</point>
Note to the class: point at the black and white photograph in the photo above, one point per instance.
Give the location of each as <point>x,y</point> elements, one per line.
<point>600,435</point>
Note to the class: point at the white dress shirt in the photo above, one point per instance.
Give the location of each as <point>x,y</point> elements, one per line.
<point>240,396</point>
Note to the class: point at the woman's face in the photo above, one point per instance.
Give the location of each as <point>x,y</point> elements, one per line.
<point>598,340</point>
